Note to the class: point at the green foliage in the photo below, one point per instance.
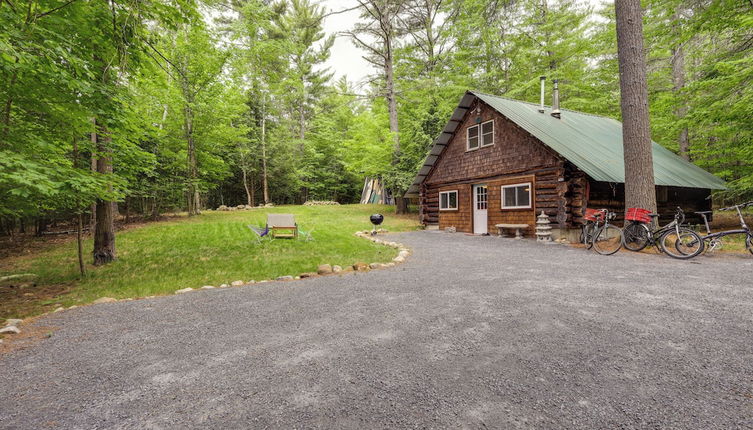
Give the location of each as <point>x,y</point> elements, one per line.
<point>250,76</point>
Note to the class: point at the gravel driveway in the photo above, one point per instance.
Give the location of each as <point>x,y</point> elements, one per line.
<point>471,332</point>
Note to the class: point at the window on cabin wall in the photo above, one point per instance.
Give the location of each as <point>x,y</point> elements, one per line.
<point>487,133</point>
<point>516,196</point>
<point>448,200</point>
<point>480,135</point>
<point>473,137</point>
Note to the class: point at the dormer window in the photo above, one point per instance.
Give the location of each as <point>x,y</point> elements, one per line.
<point>480,135</point>
<point>487,133</point>
<point>473,138</point>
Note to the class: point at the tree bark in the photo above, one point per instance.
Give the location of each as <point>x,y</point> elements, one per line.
<point>93,165</point>
<point>104,232</point>
<point>80,244</point>
<point>155,209</point>
<point>249,197</point>
<point>636,135</point>
<point>389,75</point>
<point>79,219</point>
<point>191,168</point>
<point>265,185</point>
<point>401,203</point>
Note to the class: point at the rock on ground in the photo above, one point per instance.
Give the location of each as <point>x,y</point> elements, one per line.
<point>11,329</point>
<point>13,321</point>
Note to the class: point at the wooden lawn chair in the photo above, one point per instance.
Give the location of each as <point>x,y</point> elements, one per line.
<point>282,225</point>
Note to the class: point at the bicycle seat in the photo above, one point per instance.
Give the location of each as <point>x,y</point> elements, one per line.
<point>703,212</point>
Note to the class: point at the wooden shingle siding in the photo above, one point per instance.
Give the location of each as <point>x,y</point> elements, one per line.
<point>515,157</point>
<point>514,151</point>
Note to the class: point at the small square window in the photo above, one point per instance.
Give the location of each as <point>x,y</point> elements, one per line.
<point>473,137</point>
<point>487,133</point>
<point>517,196</point>
<point>448,200</point>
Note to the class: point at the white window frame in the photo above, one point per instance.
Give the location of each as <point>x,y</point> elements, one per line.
<point>514,186</point>
<point>468,137</point>
<point>481,134</point>
<point>448,192</point>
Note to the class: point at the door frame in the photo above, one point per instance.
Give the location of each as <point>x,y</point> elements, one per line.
<point>474,205</point>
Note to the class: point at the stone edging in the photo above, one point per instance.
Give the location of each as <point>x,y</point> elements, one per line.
<point>11,325</point>
<point>325,269</point>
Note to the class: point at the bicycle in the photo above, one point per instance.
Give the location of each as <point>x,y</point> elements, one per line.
<point>588,229</point>
<point>599,234</point>
<point>715,239</point>
<point>672,239</point>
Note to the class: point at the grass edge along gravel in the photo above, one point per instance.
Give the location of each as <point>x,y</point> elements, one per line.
<point>212,249</point>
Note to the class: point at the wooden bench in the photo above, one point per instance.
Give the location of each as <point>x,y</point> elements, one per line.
<point>282,225</point>
<point>516,227</point>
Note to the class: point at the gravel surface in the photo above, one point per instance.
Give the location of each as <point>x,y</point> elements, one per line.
<point>471,332</point>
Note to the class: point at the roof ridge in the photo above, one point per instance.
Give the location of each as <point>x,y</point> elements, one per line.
<point>545,106</point>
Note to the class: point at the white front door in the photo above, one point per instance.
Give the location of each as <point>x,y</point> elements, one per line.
<point>480,204</point>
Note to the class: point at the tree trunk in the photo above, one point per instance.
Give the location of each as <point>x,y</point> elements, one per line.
<point>389,75</point>
<point>252,187</point>
<point>265,185</point>
<point>191,168</point>
<point>80,244</point>
<point>93,216</point>
<point>401,203</point>
<point>104,232</point>
<point>249,197</point>
<point>155,209</point>
<point>636,135</point>
<point>79,219</point>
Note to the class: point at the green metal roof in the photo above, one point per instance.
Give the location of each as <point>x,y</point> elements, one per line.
<point>593,143</point>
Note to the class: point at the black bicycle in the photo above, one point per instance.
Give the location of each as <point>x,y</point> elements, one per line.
<point>672,239</point>
<point>715,239</point>
<point>588,229</point>
<point>607,238</point>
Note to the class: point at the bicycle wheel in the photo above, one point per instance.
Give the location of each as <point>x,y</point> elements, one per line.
<point>608,240</point>
<point>586,233</point>
<point>683,245</point>
<point>635,236</point>
<point>749,243</point>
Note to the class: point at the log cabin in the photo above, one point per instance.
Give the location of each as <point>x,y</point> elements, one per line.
<point>504,161</point>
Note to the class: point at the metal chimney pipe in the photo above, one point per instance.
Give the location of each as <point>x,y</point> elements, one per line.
<point>541,103</point>
<point>556,102</point>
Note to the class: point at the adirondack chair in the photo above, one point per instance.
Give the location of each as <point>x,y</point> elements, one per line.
<point>282,225</point>
<point>261,232</point>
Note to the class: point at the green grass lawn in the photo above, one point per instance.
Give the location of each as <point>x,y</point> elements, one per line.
<point>210,249</point>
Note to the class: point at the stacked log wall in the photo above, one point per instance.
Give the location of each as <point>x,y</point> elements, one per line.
<point>612,196</point>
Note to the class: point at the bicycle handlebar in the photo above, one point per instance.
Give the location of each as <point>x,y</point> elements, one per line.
<point>679,215</point>
<point>741,206</point>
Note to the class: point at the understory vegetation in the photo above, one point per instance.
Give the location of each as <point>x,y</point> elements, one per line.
<point>216,248</point>
<point>193,104</point>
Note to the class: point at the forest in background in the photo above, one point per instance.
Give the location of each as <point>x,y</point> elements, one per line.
<point>187,104</point>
